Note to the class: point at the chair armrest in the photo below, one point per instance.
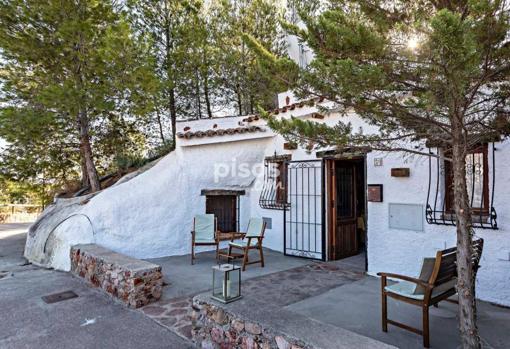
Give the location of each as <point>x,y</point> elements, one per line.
<point>253,237</point>
<point>406,278</point>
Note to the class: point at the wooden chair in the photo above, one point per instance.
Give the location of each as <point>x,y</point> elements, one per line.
<point>437,282</point>
<point>251,241</point>
<point>204,233</point>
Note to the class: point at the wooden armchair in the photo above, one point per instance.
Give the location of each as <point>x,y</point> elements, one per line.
<point>437,282</point>
<point>251,241</point>
<point>204,233</point>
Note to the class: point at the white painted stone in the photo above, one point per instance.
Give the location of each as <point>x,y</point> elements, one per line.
<point>282,343</point>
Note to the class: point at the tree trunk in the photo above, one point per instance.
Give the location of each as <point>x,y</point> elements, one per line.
<point>197,93</point>
<point>207,100</point>
<point>86,151</point>
<point>173,115</point>
<point>465,283</point>
<point>170,75</point>
<point>160,124</point>
<point>84,174</point>
<point>239,101</point>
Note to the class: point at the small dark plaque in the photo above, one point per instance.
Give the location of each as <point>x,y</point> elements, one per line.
<point>59,297</point>
<point>289,146</point>
<point>375,193</point>
<point>400,172</point>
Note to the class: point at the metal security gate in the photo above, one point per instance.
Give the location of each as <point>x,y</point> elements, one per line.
<point>304,216</point>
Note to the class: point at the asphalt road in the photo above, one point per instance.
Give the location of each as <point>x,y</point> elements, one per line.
<point>91,320</point>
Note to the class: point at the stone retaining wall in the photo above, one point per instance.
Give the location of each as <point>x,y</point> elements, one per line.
<point>214,328</point>
<point>250,323</point>
<point>133,281</point>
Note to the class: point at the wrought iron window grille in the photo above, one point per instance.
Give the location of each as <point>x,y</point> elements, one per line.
<point>439,211</point>
<point>274,191</point>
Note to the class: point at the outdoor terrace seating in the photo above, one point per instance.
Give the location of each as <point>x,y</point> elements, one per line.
<point>437,282</point>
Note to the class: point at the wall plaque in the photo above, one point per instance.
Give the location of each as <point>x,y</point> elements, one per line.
<point>400,172</point>
<point>375,193</point>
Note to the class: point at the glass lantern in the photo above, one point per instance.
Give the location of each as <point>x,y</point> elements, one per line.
<point>226,283</point>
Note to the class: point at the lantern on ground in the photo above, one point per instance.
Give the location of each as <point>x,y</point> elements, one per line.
<point>226,283</point>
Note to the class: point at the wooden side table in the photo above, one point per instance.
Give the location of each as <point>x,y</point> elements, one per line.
<point>229,236</point>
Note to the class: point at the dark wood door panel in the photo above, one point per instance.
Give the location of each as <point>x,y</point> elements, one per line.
<point>224,209</point>
<point>343,237</point>
<point>347,244</point>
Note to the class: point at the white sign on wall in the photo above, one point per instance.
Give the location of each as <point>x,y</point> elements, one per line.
<point>406,216</point>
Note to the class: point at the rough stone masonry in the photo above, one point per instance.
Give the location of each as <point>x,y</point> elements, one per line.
<point>133,281</point>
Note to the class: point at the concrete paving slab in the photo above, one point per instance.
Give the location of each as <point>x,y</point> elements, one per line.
<point>357,307</point>
<point>12,245</point>
<point>184,279</point>
<point>92,320</point>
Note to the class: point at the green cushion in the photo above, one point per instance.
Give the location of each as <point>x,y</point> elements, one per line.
<point>255,226</point>
<point>404,288</point>
<point>407,289</point>
<point>243,243</point>
<point>205,241</point>
<point>204,228</point>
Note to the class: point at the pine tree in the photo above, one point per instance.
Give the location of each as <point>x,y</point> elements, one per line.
<point>435,72</point>
<point>168,24</point>
<point>243,78</point>
<point>70,72</point>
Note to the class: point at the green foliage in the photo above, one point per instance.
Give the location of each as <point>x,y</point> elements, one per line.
<point>204,66</point>
<point>23,192</point>
<point>65,61</point>
<point>459,70</point>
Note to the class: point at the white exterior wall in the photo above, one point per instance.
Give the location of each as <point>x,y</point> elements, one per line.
<point>402,251</point>
<point>151,215</point>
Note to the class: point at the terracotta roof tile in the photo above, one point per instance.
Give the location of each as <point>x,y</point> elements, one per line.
<point>220,132</point>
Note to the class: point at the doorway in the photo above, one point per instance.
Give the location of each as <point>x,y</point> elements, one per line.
<point>346,197</point>
<point>225,209</point>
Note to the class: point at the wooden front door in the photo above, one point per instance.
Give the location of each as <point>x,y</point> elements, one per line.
<point>224,208</point>
<point>343,240</point>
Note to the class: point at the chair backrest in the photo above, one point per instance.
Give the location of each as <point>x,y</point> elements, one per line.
<point>204,226</point>
<point>256,227</point>
<point>445,268</point>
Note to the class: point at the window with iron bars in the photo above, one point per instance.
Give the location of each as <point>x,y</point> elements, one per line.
<point>274,191</point>
<point>440,199</point>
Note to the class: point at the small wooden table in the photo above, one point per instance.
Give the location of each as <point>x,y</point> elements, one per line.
<point>229,236</point>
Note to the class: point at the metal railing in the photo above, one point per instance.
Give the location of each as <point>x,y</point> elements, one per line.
<point>484,214</point>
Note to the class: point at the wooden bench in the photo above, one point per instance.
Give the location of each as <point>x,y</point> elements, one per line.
<point>437,282</point>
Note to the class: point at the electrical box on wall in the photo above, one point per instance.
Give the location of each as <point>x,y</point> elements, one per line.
<point>268,221</point>
<point>406,216</point>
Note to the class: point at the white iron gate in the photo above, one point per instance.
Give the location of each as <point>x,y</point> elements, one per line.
<point>304,216</point>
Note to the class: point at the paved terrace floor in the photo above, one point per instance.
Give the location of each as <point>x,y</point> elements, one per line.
<point>92,320</point>
<point>335,293</point>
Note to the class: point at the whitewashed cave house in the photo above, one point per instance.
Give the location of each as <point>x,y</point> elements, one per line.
<point>392,209</point>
